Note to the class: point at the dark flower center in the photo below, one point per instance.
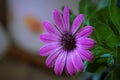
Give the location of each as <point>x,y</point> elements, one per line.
<point>68,42</point>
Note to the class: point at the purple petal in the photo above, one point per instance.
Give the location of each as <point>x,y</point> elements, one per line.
<point>49,48</point>
<point>85,42</point>
<point>77,61</point>
<point>52,58</point>
<point>66,17</point>
<point>48,38</point>
<point>85,31</point>
<point>50,28</point>
<point>60,63</point>
<point>58,19</point>
<point>86,55</point>
<point>77,22</point>
<point>70,68</point>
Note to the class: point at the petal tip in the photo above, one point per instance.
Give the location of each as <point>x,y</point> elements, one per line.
<point>82,15</point>
<point>55,11</point>
<point>40,52</point>
<point>48,64</point>
<point>58,73</point>
<point>66,8</point>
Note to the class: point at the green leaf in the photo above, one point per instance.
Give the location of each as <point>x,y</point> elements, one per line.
<point>110,58</point>
<point>116,73</point>
<point>98,51</point>
<point>100,62</point>
<point>118,55</point>
<point>111,61</point>
<point>118,3</point>
<point>114,28</point>
<point>103,15</point>
<point>102,4</point>
<point>87,7</point>
<point>72,17</point>
<point>108,77</point>
<point>85,65</point>
<point>112,40</point>
<point>97,65</point>
<point>101,30</point>
<point>83,5</point>
<point>96,76</point>
<point>114,13</point>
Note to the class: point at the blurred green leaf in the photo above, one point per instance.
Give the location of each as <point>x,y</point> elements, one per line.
<point>108,77</point>
<point>118,3</point>
<point>103,15</point>
<point>111,61</point>
<point>112,40</point>
<point>72,17</point>
<point>116,73</point>
<point>114,28</point>
<point>96,77</point>
<point>105,34</point>
<point>85,65</point>
<point>104,60</point>
<point>118,55</point>
<point>102,4</point>
<point>101,30</point>
<point>114,13</point>
<point>98,51</point>
<point>96,66</point>
<point>83,5</point>
<point>110,58</point>
<point>105,55</point>
<point>101,62</point>
<point>87,7</point>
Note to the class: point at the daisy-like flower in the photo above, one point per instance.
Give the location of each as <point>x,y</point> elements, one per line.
<point>66,47</point>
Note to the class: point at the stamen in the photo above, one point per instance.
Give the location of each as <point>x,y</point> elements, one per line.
<point>68,42</point>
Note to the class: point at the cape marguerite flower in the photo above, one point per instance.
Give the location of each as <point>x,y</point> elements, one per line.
<point>66,47</point>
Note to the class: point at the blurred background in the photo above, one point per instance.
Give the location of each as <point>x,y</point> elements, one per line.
<point>20,27</point>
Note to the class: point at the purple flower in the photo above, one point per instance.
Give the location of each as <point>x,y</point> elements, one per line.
<point>66,47</point>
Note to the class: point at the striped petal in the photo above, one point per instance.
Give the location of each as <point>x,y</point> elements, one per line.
<point>60,63</point>
<point>50,28</point>
<point>85,42</point>
<point>58,19</point>
<point>85,32</point>
<point>86,54</point>
<point>66,17</point>
<point>49,48</point>
<point>77,61</point>
<point>70,68</point>
<point>77,22</point>
<point>52,58</point>
<point>48,38</point>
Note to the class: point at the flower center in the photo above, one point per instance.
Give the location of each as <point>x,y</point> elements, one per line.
<point>68,42</point>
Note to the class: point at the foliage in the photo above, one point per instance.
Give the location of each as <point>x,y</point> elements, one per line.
<point>105,19</point>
